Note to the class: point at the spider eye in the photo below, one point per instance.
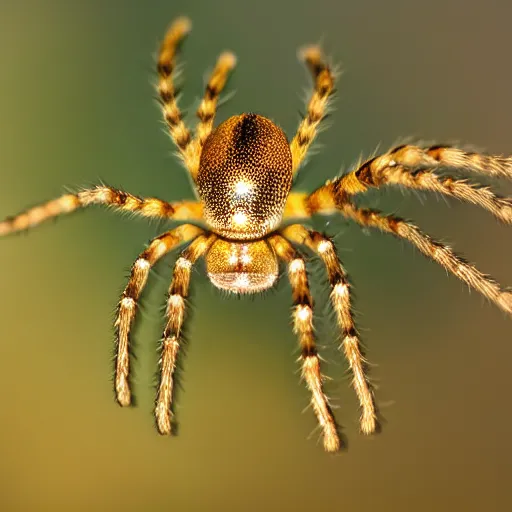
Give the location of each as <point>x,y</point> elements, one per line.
<point>241,267</point>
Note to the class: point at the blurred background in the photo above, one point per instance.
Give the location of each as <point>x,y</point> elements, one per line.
<point>77,106</point>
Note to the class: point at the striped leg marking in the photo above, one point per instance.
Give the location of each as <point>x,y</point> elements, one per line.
<point>317,106</point>
<point>432,249</point>
<point>117,199</point>
<point>166,89</point>
<point>128,303</point>
<point>175,313</point>
<point>414,167</point>
<point>206,111</point>
<point>341,301</point>
<point>303,327</point>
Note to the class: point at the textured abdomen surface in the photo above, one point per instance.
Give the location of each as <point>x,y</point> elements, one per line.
<point>244,177</point>
<point>241,267</point>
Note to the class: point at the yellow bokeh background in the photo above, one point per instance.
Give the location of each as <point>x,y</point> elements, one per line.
<point>76,107</point>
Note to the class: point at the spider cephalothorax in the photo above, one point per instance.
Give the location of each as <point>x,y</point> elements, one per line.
<point>245,174</point>
<point>243,171</point>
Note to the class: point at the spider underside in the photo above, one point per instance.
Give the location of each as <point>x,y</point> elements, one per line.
<point>243,171</point>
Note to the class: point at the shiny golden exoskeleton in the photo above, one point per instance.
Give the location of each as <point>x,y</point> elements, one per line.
<point>241,267</point>
<point>243,173</point>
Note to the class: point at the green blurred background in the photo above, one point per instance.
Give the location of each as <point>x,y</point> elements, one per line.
<point>77,106</point>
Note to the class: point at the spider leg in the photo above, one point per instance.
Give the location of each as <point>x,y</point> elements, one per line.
<point>128,303</point>
<point>414,167</point>
<point>166,89</point>
<point>435,157</point>
<point>326,201</point>
<point>175,313</point>
<point>206,111</point>
<point>303,326</point>
<point>340,298</point>
<point>296,206</point>
<point>438,252</point>
<point>108,196</point>
<point>317,106</point>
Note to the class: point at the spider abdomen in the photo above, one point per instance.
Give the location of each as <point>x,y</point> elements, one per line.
<point>241,267</point>
<point>245,174</point>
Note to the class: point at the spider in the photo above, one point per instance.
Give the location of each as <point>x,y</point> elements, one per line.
<point>247,218</point>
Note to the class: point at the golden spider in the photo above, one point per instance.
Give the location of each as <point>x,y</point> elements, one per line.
<point>244,171</point>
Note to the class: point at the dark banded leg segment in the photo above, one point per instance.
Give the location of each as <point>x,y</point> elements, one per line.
<point>128,303</point>
<point>340,298</point>
<point>414,167</point>
<point>303,327</point>
<point>166,89</point>
<point>102,195</point>
<point>437,156</point>
<point>206,111</point>
<point>432,249</point>
<point>317,106</point>
<point>175,313</point>
<point>328,199</point>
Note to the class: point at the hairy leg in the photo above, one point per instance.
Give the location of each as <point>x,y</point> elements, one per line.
<point>166,89</point>
<point>178,292</point>
<point>128,303</point>
<point>440,156</point>
<point>414,167</point>
<point>208,107</point>
<point>327,200</point>
<point>341,301</point>
<point>108,196</point>
<point>436,251</point>
<point>317,105</point>
<point>303,327</point>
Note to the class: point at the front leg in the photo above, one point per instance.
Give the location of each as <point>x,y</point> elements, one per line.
<point>116,199</point>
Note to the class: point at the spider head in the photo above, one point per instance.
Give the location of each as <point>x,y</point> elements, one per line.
<point>241,267</point>
<point>244,177</point>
